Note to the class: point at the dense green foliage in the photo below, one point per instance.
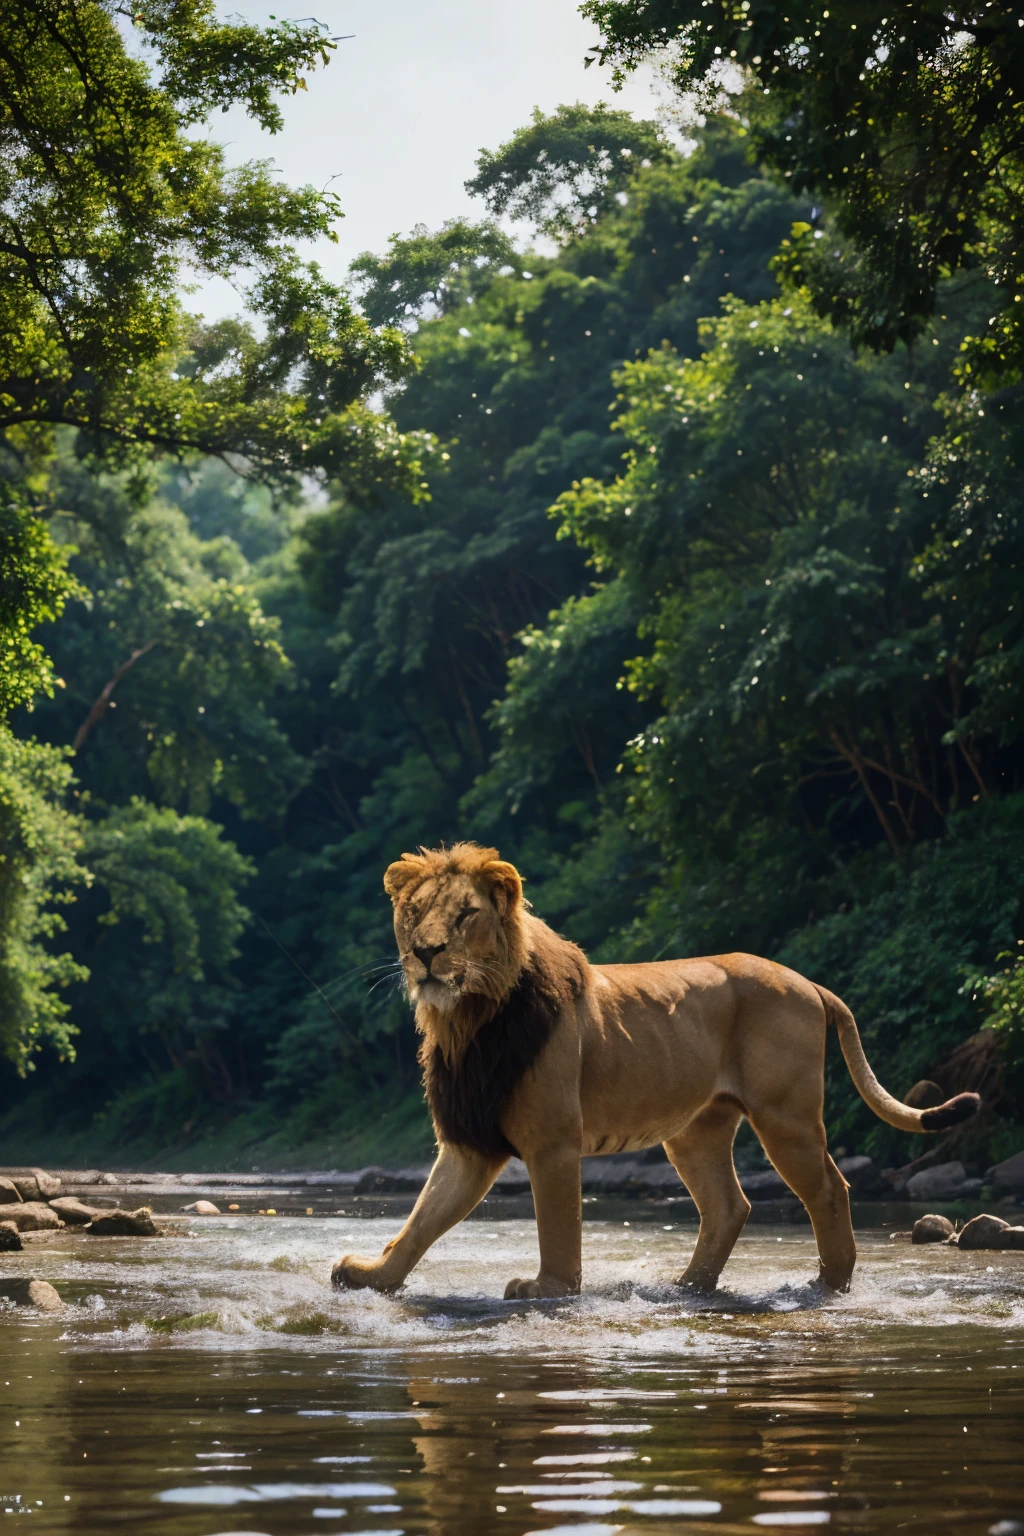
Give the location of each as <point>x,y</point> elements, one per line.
<point>105,194</point>
<point>906,117</point>
<point>710,622</point>
<point>38,868</point>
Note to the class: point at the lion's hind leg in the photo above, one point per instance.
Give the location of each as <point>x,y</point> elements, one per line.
<point>796,1146</point>
<point>702,1157</point>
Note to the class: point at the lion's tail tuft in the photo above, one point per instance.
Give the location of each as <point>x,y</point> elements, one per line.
<point>963,1107</point>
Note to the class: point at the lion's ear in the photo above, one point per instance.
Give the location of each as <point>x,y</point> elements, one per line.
<point>506,884</point>
<point>398,875</point>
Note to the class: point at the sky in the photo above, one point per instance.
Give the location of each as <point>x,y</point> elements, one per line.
<point>405,105</point>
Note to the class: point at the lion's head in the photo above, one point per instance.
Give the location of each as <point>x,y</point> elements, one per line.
<point>459,926</point>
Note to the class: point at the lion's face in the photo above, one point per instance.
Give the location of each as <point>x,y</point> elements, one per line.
<point>452,924</point>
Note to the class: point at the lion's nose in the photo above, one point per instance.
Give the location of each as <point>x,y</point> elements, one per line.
<point>425,954</point>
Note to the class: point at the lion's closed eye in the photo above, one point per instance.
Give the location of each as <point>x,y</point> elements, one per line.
<point>464,914</point>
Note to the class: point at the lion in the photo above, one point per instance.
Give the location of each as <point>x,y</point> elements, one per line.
<point>528,1049</point>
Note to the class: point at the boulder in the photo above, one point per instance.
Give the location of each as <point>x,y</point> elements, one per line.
<point>32,1293</point>
<point>72,1211</point>
<point>31,1216</point>
<point>925,1095</point>
<point>859,1172</point>
<point>1007,1178</point>
<point>123,1224</point>
<point>10,1194</point>
<point>615,1174</point>
<point>33,1183</point>
<point>514,1179</point>
<point>768,1185</point>
<point>946,1181</point>
<point>932,1229</point>
<point>1011,1237</point>
<point>202,1208</point>
<point>10,1241</point>
<point>657,1179</point>
<point>982,1232</point>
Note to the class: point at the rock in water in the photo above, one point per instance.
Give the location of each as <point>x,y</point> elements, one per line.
<point>1011,1237</point>
<point>859,1172</point>
<point>1008,1177</point>
<point>10,1241</point>
<point>9,1191</point>
<point>32,1293</point>
<point>203,1208</point>
<point>123,1224</point>
<point>932,1229</point>
<point>767,1185</point>
<point>31,1216</point>
<point>947,1181</point>
<point>73,1211</point>
<point>34,1184</point>
<point>983,1232</point>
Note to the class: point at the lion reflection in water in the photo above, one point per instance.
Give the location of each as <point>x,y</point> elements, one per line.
<point>527,1048</point>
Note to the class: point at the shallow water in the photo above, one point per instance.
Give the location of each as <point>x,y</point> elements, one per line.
<point>210,1382</point>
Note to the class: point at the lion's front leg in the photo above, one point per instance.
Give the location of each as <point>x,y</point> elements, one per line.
<point>458,1181</point>
<point>555,1178</point>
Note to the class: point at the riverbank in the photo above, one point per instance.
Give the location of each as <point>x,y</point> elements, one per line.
<point>389,1131</point>
<point>646,1177</point>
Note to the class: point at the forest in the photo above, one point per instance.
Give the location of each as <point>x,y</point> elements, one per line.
<point>593,528</point>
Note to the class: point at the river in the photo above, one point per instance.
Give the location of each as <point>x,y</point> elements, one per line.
<point>210,1382</point>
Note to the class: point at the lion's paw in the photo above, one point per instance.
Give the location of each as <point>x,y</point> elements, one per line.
<point>543,1286</point>
<point>697,1285</point>
<point>355,1274</point>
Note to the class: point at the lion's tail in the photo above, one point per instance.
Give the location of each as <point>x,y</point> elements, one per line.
<point>962,1107</point>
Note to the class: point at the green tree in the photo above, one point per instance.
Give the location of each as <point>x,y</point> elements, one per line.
<point>105,193</point>
<point>564,169</point>
<point>39,839</point>
<point>442,269</point>
<point>171,918</point>
<point>39,869</point>
<point>905,117</point>
<point>34,587</point>
<point>170,667</point>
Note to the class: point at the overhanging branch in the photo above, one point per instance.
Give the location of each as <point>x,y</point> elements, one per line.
<point>99,708</point>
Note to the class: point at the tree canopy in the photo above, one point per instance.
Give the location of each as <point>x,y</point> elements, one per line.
<point>108,194</point>
<point>106,197</point>
<point>908,119</point>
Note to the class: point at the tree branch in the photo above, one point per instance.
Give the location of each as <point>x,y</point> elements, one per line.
<point>99,708</point>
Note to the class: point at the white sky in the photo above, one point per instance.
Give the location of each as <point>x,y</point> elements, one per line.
<point>403,108</point>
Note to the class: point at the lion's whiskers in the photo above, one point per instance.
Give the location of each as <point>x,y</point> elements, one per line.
<point>395,973</point>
